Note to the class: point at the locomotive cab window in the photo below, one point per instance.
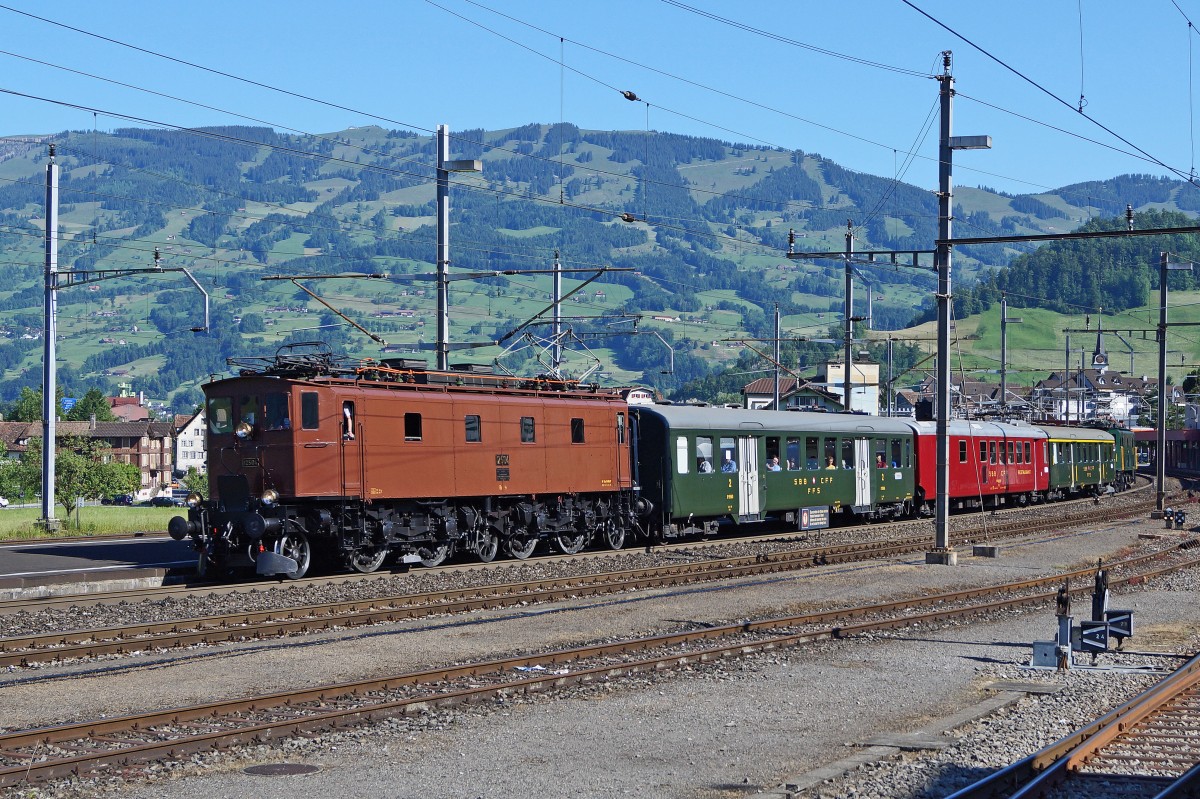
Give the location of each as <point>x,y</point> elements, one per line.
<point>577,431</point>
<point>620,428</point>
<point>220,415</point>
<point>962,450</point>
<point>348,421</point>
<point>474,428</point>
<point>1028,452</point>
<point>412,427</point>
<point>528,433</point>
<point>277,411</point>
<point>249,410</point>
<point>310,416</point>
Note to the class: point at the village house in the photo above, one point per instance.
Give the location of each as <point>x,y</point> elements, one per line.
<point>147,445</point>
<point>190,442</point>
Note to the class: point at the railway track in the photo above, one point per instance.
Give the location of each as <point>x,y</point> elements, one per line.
<point>1148,747</point>
<point>241,626</point>
<point>993,526</point>
<point>32,756</point>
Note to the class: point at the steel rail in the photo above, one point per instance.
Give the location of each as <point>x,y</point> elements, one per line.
<point>1033,775</point>
<point>257,625</point>
<point>987,529</point>
<point>70,749</point>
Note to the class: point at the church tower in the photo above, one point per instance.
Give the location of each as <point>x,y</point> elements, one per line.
<point>1099,355</point>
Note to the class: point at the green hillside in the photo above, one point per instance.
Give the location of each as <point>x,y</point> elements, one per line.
<point>702,225</point>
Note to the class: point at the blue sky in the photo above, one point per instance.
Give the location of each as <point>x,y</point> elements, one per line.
<point>415,64</point>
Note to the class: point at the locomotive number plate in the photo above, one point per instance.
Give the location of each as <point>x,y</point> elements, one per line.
<point>250,463</point>
<point>502,460</point>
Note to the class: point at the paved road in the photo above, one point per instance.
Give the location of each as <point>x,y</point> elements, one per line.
<point>31,559</point>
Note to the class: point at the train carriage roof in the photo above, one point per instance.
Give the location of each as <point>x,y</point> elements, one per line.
<point>1079,434</point>
<point>963,428</point>
<point>691,417</point>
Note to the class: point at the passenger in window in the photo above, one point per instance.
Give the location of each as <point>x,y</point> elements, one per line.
<point>773,464</point>
<point>879,464</point>
<point>704,466</point>
<point>730,465</point>
<point>831,464</point>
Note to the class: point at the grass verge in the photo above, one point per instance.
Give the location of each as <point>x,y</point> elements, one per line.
<point>20,524</point>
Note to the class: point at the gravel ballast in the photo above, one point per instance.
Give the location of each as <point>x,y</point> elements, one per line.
<point>725,729</point>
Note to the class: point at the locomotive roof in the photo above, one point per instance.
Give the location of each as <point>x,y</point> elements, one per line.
<point>435,383</point>
<point>1078,434</point>
<point>968,428</point>
<point>691,417</point>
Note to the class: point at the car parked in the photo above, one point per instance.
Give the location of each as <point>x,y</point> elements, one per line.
<point>3,502</point>
<point>119,499</point>
<point>164,501</point>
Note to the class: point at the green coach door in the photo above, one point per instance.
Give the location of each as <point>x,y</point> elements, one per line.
<point>749,499</point>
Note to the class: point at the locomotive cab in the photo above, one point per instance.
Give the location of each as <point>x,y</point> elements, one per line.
<point>252,440</point>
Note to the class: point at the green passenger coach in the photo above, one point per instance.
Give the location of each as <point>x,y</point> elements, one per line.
<point>701,466</point>
<point>1081,460</point>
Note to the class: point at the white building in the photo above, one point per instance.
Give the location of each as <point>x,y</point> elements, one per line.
<point>190,446</point>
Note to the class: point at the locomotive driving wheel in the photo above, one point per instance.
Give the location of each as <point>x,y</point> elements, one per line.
<point>295,545</point>
<point>522,547</point>
<point>433,554</point>
<point>571,542</point>
<point>612,534</point>
<point>487,546</point>
<point>367,560</point>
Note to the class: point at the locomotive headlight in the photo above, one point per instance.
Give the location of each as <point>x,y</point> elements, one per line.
<point>243,430</point>
<point>194,499</point>
<point>269,497</point>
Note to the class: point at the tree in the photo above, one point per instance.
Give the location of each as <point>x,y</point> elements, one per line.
<point>81,472</point>
<point>28,406</point>
<point>195,480</point>
<point>93,402</point>
<point>253,323</point>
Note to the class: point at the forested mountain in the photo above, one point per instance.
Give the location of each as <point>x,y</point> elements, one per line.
<point>700,224</point>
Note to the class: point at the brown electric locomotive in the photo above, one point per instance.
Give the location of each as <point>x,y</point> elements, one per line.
<point>311,461</point>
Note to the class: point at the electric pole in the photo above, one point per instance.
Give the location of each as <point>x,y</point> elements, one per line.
<point>49,372</point>
<point>941,552</point>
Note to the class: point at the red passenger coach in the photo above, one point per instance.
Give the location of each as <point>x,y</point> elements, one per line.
<point>359,464</point>
<point>992,464</point>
